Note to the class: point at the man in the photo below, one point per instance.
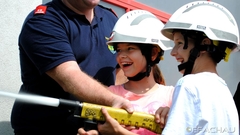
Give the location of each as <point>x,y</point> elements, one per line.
<point>62,48</point>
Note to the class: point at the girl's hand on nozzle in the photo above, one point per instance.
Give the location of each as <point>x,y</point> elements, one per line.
<point>161,116</point>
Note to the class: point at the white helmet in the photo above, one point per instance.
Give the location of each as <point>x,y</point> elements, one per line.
<point>139,26</point>
<point>208,17</point>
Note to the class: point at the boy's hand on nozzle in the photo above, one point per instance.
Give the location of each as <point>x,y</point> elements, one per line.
<point>120,102</point>
<point>111,126</point>
<point>129,127</point>
<point>161,116</point>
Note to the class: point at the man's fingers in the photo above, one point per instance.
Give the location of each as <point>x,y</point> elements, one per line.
<point>128,107</point>
<point>124,104</point>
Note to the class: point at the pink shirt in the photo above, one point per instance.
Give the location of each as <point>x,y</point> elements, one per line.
<point>149,102</point>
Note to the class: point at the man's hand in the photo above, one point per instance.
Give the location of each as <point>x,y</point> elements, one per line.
<point>123,103</point>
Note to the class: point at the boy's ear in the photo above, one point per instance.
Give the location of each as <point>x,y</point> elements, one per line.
<point>206,41</point>
<point>154,53</point>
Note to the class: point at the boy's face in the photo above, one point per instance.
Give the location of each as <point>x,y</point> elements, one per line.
<point>130,59</point>
<point>178,52</point>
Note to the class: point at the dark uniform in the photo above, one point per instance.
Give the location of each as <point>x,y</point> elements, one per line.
<point>51,35</point>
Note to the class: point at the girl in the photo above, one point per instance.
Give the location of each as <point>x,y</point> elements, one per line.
<point>137,39</point>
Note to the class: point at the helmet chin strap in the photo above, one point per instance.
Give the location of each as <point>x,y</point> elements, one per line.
<point>194,53</point>
<point>188,66</point>
<point>141,75</point>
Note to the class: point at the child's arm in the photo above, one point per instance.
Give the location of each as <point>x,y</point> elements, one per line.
<point>111,126</point>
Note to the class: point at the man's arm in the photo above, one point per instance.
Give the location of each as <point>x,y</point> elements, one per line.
<point>73,80</point>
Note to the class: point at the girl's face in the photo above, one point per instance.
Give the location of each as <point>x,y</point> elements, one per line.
<point>130,59</point>
<point>178,52</point>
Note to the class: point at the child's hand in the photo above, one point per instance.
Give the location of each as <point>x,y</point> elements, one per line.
<point>111,126</point>
<point>161,116</point>
<point>129,127</point>
<point>81,131</point>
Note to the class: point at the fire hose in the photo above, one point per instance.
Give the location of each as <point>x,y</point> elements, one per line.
<point>91,112</point>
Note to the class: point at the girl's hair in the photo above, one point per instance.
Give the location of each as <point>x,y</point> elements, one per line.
<point>158,76</point>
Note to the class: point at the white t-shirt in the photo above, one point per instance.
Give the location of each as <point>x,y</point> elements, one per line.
<point>202,104</point>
